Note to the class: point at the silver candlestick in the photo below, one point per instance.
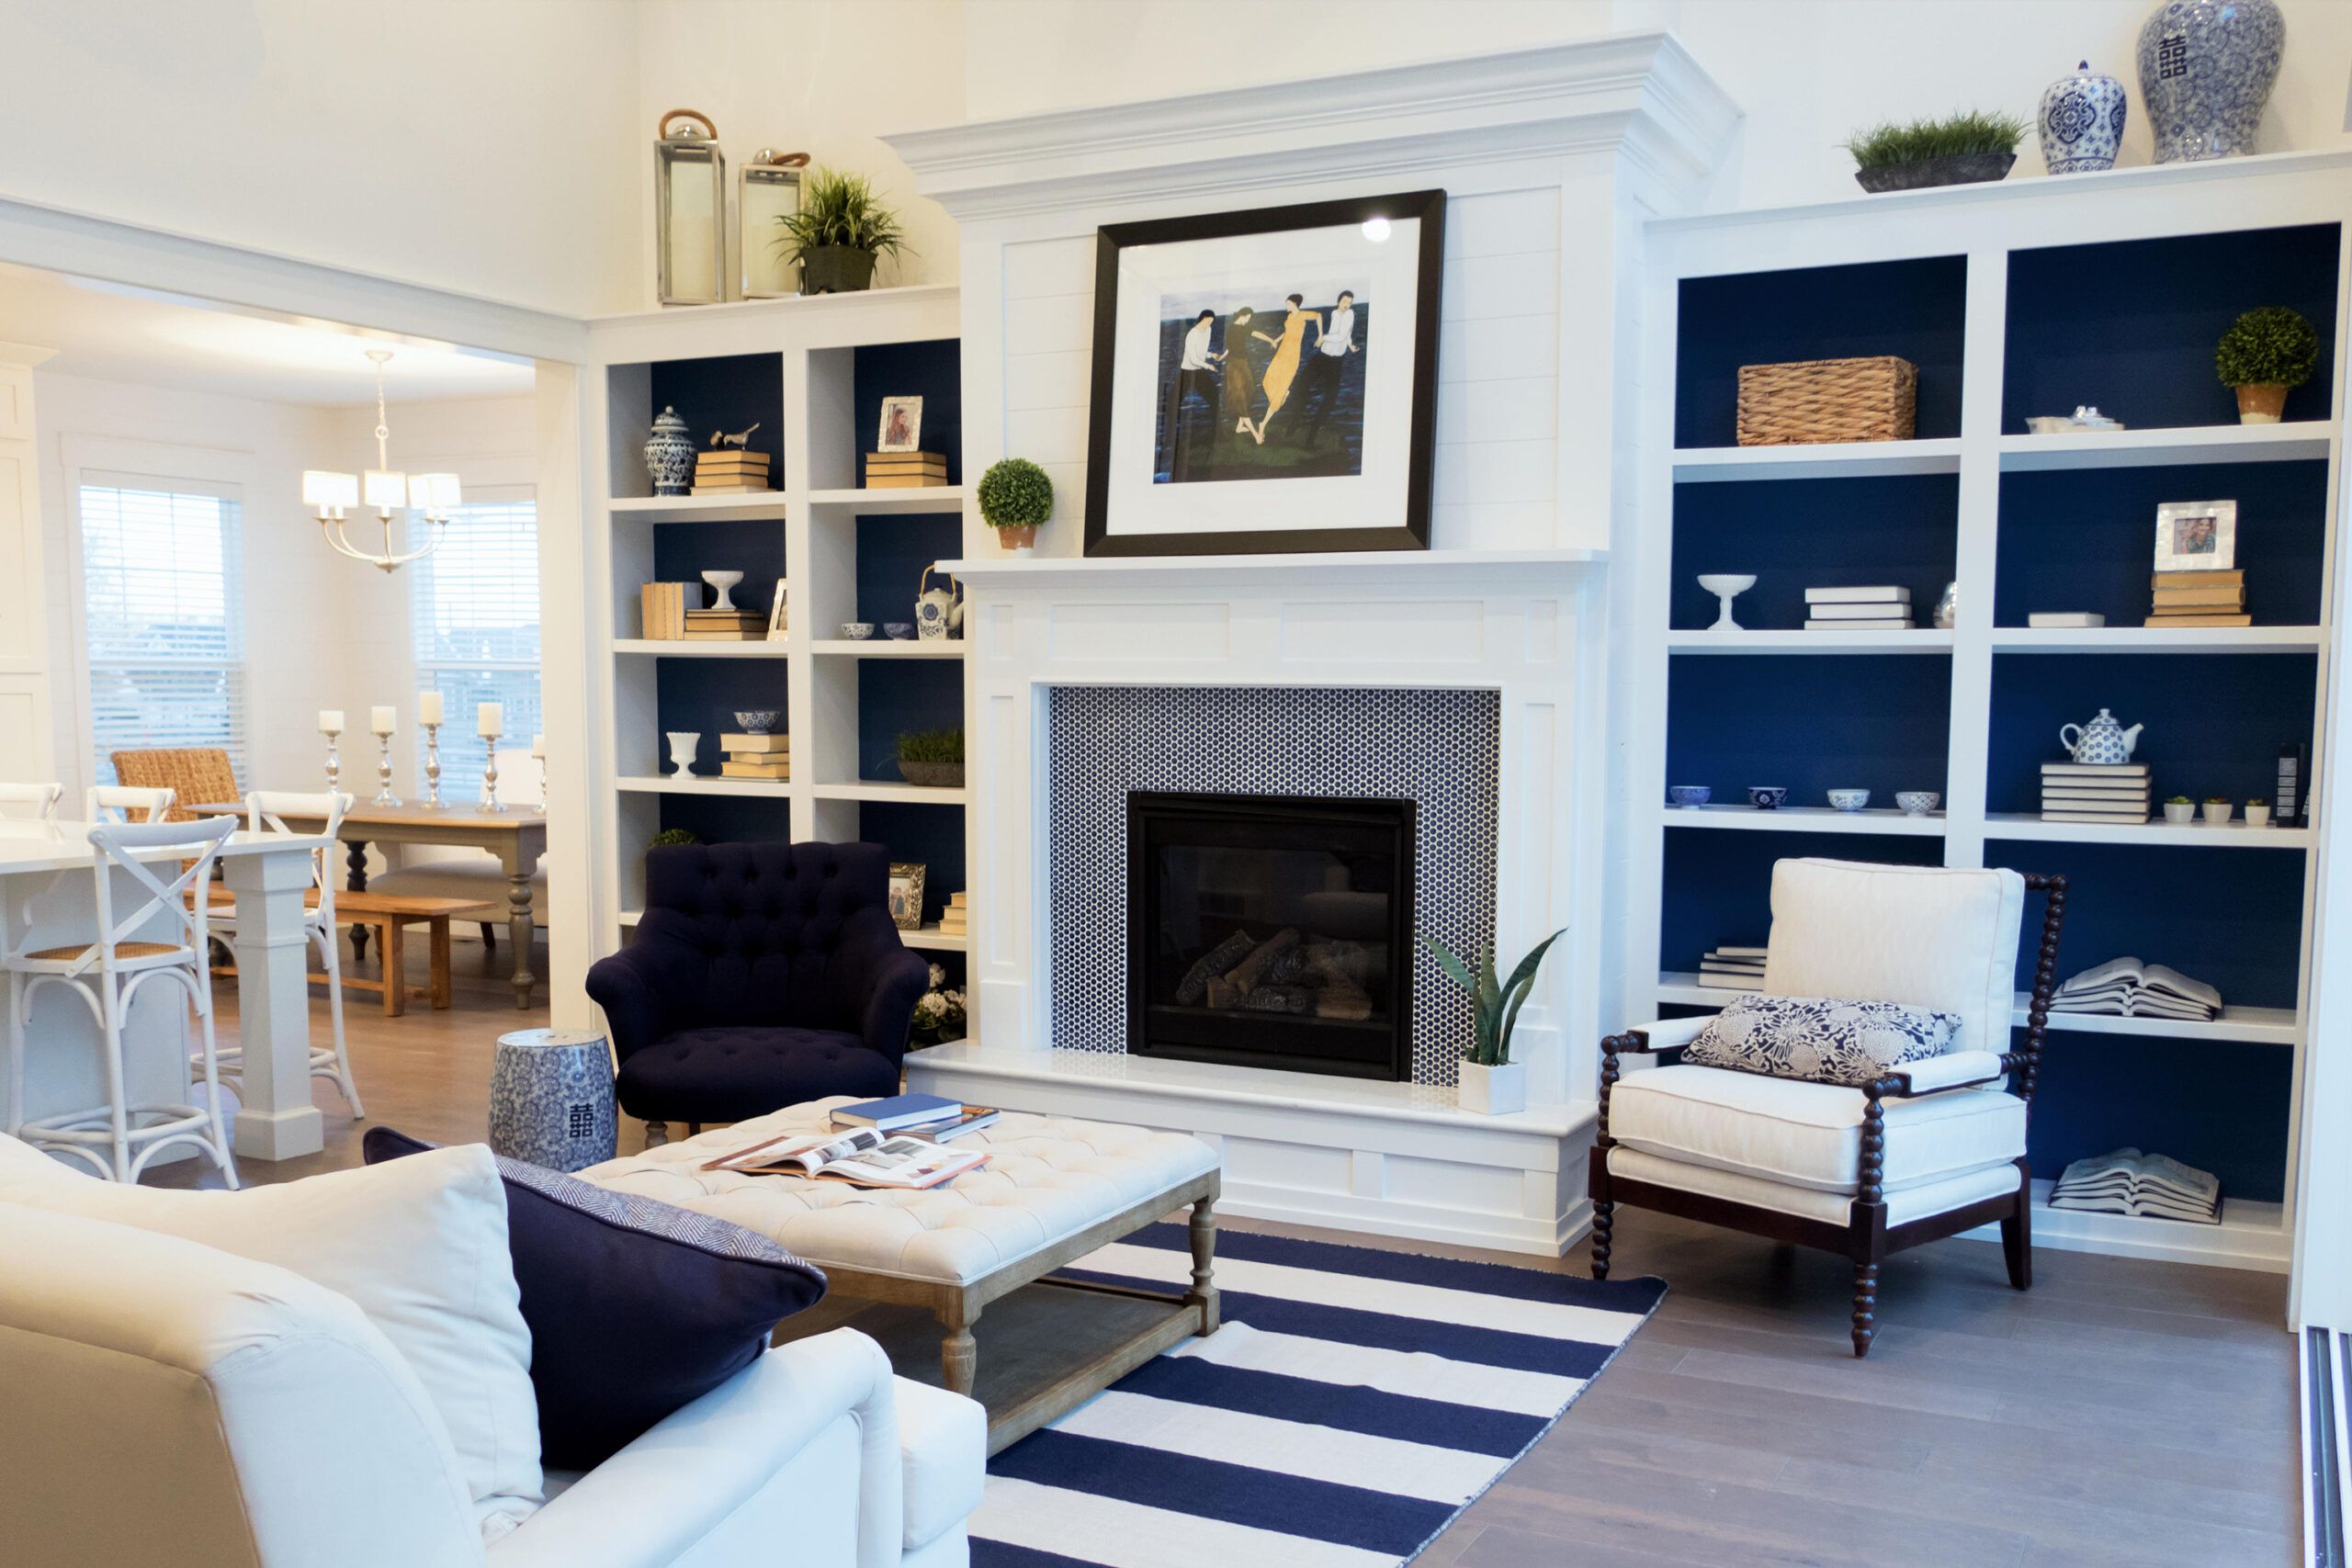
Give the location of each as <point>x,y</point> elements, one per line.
<point>490,801</point>
<point>542,808</point>
<point>433,767</point>
<point>334,761</point>
<point>384,795</point>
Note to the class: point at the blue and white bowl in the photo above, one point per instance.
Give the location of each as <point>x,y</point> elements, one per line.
<point>898,631</point>
<point>1766,797</point>
<point>1689,794</point>
<point>1916,802</point>
<point>1849,799</point>
<point>858,631</point>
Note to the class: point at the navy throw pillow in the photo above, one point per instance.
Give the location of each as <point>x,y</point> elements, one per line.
<point>636,1307</point>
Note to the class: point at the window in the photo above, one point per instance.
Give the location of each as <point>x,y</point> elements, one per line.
<point>163,622</point>
<point>474,609</point>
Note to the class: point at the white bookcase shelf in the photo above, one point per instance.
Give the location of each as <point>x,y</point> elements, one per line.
<point>2260,1026</point>
<point>892,790</point>
<point>886,648</point>
<point>698,508</point>
<point>1741,817</point>
<point>671,784</point>
<point>1842,460</point>
<point>2158,639</point>
<point>918,498</point>
<point>2234,835</point>
<point>665,648</point>
<point>1926,639</point>
<point>2304,442</point>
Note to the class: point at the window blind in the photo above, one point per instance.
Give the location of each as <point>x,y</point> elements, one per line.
<point>162,618</point>
<point>474,614</point>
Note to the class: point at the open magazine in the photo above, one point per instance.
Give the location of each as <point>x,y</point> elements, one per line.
<point>2128,988</point>
<point>2129,1182</point>
<point>863,1156</point>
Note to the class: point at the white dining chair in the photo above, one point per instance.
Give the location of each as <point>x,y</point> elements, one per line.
<point>122,803</point>
<point>35,802</point>
<point>266,811</point>
<point>106,973</point>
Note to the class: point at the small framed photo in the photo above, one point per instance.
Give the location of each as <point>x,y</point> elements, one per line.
<point>778,622</point>
<point>906,894</point>
<point>2197,535</point>
<point>901,425</point>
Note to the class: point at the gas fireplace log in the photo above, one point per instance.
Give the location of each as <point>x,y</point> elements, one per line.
<point>1194,987</point>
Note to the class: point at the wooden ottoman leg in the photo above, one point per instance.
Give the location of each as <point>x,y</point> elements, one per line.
<point>959,1356</point>
<point>1203,1291</point>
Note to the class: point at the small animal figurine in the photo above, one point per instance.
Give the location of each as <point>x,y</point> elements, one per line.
<point>741,439</point>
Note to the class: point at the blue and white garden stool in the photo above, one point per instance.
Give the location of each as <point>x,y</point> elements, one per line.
<point>551,1098</point>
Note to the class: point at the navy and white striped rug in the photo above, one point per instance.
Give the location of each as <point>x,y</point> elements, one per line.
<point>1352,1404</point>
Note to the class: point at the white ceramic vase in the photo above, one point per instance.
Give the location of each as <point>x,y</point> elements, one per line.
<point>1493,1091</point>
<point>684,743</point>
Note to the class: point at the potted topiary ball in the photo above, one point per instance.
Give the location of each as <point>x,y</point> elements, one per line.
<point>1016,498</point>
<point>2265,353</point>
<point>839,231</point>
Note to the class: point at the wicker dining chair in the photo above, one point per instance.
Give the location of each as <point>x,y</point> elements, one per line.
<point>200,776</point>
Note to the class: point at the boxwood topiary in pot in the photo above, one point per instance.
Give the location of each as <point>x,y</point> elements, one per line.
<point>2265,354</point>
<point>1016,498</point>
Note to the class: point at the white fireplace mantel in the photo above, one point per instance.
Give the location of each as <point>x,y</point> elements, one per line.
<point>1414,568</point>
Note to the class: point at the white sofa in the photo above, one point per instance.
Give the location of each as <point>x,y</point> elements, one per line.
<point>164,1401</point>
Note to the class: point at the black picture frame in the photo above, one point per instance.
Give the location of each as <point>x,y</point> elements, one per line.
<point>1426,205</point>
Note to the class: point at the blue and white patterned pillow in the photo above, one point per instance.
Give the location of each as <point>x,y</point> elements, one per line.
<point>1820,1039</point>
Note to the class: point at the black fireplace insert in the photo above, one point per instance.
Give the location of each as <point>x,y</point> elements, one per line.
<point>1271,931</point>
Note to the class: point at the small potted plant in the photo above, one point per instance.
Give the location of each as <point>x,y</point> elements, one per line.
<point>1960,149</point>
<point>2218,809</point>
<point>2180,811</point>
<point>1015,499</point>
<point>2265,354</point>
<point>669,836</point>
<point>933,758</point>
<point>1491,1082</point>
<point>840,230</point>
<point>939,1013</point>
<point>2257,813</point>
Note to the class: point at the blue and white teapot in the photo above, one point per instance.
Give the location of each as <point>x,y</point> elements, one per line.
<point>2102,740</point>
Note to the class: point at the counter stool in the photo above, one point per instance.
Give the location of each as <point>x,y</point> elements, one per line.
<point>126,803</point>
<point>120,1137</point>
<point>266,811</point>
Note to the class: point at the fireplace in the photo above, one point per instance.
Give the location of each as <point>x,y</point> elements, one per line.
<point>1272,931</point>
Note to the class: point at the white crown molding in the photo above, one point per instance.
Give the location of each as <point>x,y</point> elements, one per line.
<point>1641,93</point>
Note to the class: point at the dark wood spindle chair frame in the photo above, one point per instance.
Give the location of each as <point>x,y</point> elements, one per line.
<point>1866,1238</point>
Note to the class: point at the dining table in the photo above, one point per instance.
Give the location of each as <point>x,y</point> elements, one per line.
<point>49,897</point>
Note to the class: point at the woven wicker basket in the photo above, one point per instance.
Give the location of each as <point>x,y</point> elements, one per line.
<point>1828,400</point>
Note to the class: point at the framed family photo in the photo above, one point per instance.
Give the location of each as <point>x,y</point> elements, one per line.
<point>1266,380</point>
<point>2197,535</point>
<point>902,428</point>
<point>907,878</point>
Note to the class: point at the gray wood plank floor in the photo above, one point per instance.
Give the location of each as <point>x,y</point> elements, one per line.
<point>2119,1413</point>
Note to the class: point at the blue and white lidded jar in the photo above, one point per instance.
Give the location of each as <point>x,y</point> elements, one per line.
<point>2206,69</point>
<point>670,455</point>
<point>2082,121</point>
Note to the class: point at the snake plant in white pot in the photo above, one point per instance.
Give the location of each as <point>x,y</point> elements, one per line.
<point>1491,1082</point>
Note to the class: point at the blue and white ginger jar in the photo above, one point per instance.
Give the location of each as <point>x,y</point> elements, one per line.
<point>670,455</point>
<point>2082,121</point>
<point>2206,69</point>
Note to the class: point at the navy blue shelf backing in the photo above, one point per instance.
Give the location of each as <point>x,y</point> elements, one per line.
<point>730,818</point>
<point>1878,722</point>
<point>2131,326</point>
<point>1718,884</point>
<point>703,695</point>
<point>2084,538</point>
<point>928,835</point>
<point>895,694</point>
<point>892,550</point>
<point>684,551</point>
<point>727,394</point>
<point>1913,309</point>
<point>930,370</point>
<point>1793,535</point>
<point>2211,726</point>
<point>2218,1105</point>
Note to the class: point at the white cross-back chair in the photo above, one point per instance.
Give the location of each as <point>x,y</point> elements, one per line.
<point>106,973</point>
<point>34,802</point>
<point>124,803</point>
<point>266,811</point>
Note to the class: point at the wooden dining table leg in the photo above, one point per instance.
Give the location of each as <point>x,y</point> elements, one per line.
<point>355,858</point>
<point>519,924</point>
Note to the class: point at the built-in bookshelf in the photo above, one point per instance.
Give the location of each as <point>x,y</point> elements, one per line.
<point>811,374</point>
<point>2013,301</point>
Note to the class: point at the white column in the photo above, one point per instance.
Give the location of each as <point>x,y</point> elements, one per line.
<point>278,1122</point>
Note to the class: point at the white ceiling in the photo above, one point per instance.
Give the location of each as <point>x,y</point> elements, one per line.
<point>116,334</point>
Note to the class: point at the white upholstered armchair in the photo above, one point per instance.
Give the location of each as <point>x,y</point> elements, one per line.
<point>1933,1148</point>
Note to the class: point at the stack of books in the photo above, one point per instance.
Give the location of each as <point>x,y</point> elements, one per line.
<point>730,471</point>
<point>662,606</point>
<point>756,757</point>
<point>916,1116</point>
<point>2094,792</point>
<point>905,471</point>
<point>2199,599</point>
<point>2128,1182</point>
<point>2125,987</point>
<point>1857,610</point>
<point>1732,968</point>
<point>952,919</point>
<point>726,625</point>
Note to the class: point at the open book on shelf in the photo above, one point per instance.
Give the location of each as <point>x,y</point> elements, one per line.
<point>2128,1182</point>
<point>2125,987</point>
<point>863,1156</point>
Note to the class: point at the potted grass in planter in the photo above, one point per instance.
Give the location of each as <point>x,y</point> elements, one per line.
<point>1491,1083</point>
<point>1960,149</point>
<point>932,758</point>
<point>839,231</point>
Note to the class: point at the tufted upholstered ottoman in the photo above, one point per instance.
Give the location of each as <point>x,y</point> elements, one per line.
<point>1055,1190</point>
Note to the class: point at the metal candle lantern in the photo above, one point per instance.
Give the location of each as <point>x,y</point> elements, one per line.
<point>690,198</point>
<point>767,194</point>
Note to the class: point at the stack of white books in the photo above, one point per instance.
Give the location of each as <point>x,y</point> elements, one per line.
<point>1857,610</point>
<point>2094,792</point>
<point>1732,968</point>
<point>2128,1182</point>
<point>2125,987</point>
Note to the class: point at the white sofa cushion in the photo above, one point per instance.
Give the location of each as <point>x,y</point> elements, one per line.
<point>1810,1134</point>
<point>1937,1196</point>
<point>1924,936</point>
<point>943,1447</point>
<point>418,1244</point>
<point>171,1402</point>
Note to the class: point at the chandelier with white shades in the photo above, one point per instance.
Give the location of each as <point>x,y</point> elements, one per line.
<point>431,496</point>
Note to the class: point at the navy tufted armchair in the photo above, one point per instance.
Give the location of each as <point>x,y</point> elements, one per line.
<point>760,975</point>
